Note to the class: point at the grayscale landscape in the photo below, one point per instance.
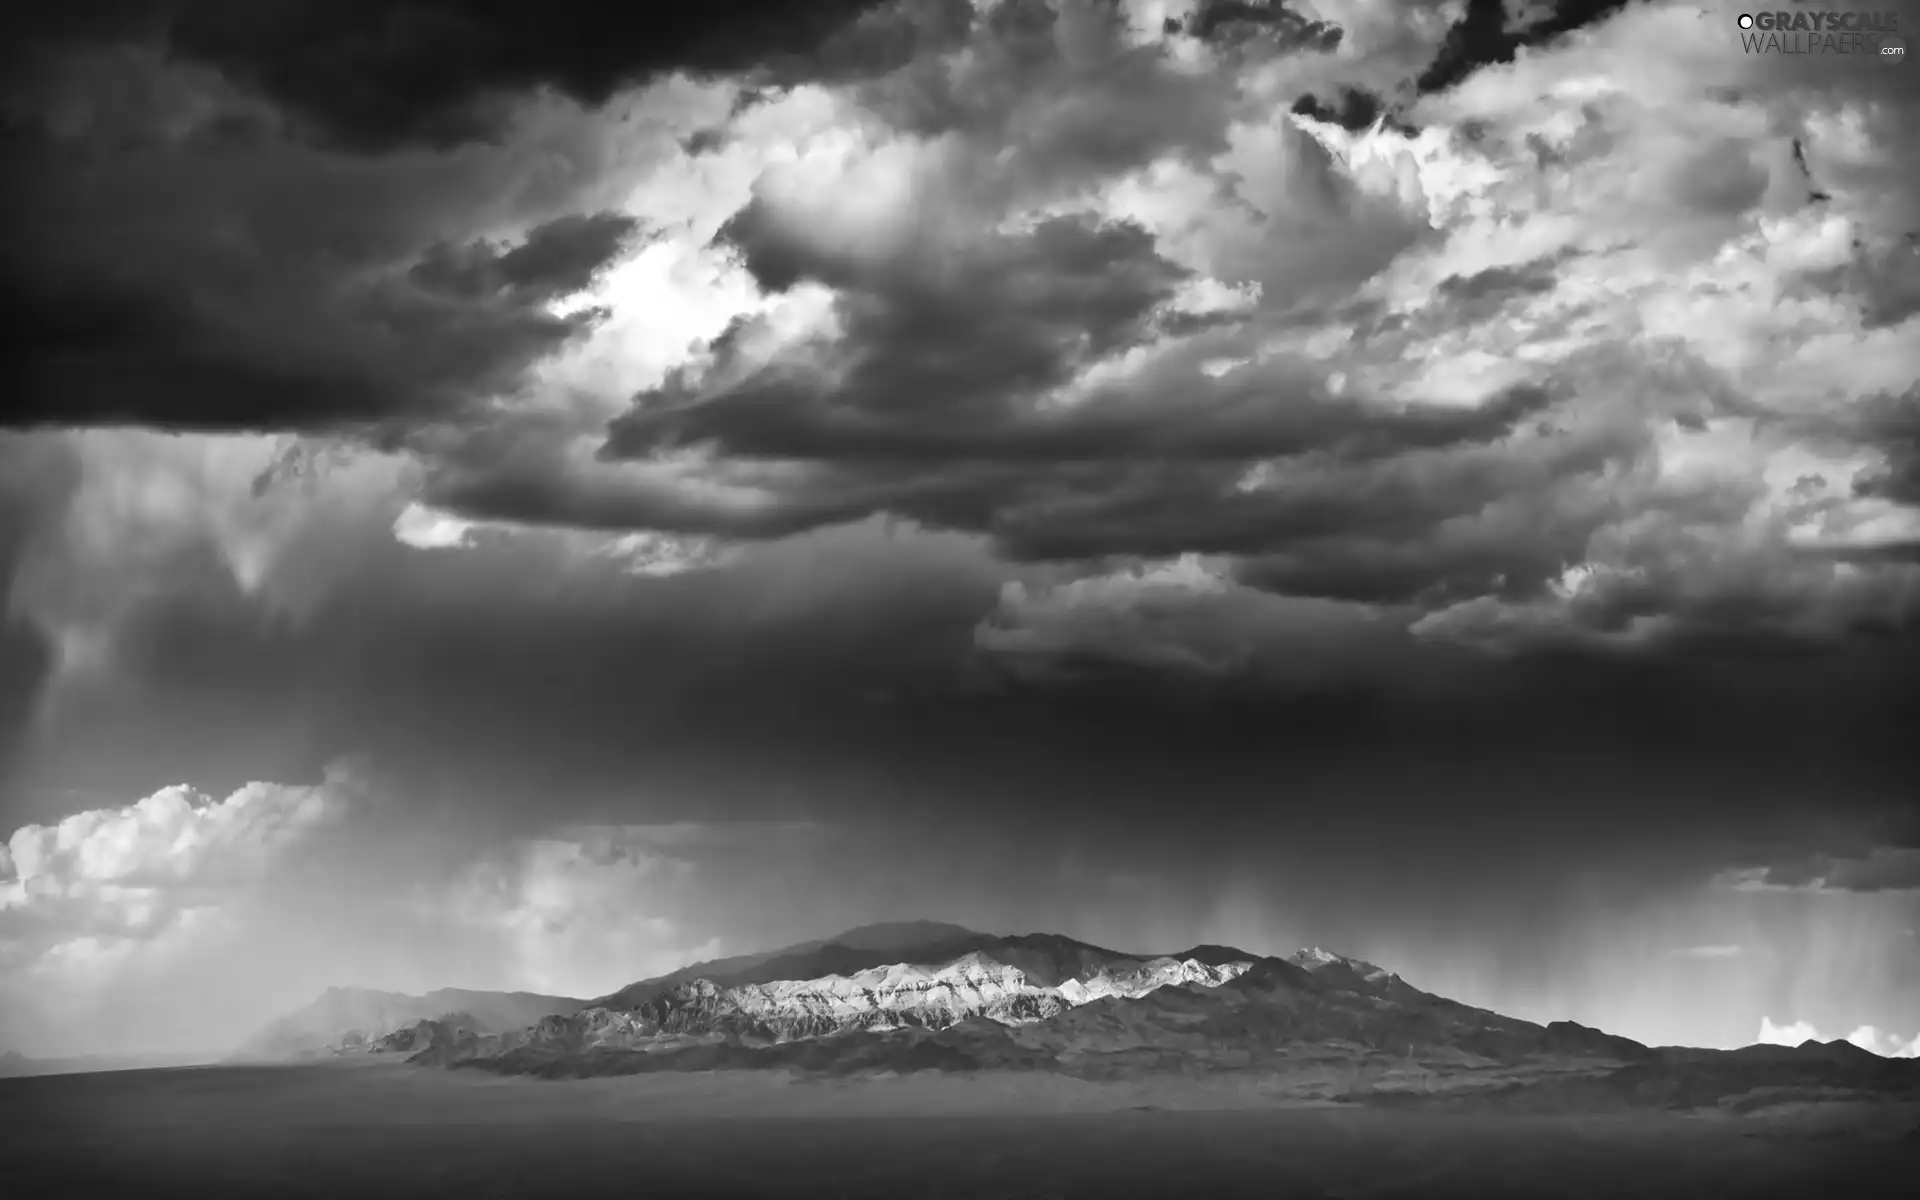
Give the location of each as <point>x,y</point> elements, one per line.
<point>935,1064</point>
<point>1022,598</point>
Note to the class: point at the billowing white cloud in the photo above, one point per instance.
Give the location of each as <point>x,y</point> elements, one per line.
<point>109,892</point>
<point>176,838</point>
<point>1679,280</point>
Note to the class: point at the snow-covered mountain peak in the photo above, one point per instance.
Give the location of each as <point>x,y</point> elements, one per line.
<point>972,970</point>
<point>1315,958</point>
<point>976,965</point>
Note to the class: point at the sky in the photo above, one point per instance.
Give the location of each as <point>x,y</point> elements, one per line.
<point>486,506</point>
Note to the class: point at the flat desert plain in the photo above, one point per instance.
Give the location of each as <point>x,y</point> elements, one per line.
<point>382,1128</point>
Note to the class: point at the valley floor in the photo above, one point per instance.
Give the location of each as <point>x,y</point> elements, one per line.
<point>383,1128</point>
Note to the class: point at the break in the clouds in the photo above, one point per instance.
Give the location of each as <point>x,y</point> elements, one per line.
<point>1866,1037</point>
<point>1423,478</point>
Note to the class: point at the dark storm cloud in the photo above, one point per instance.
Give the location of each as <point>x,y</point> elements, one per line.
<point>1271,21</point>
<point>180,259</point>
<point>1428,571</point>
<point>934,400</point>
<point>510,692</point>
<point>250,251</point>
<point>1127,478</point>
<point>193,264</point>
<point>1476,296</point>
<point>376,76</point>
<point>1884,868</point>
<point>1355,110</point>
<point>934,367</point>
<point>946,393</point>
<point>821,679</point>
<point>1880,552</point>
<point>1891,425</point>
<point>186,352</point>
<point>175,261</point>
<point>177,257</point>
<point>1490,32</point>
<point>500,478</point>
<point>1382,484</point>
<point>1487,35</point>
<point>556,259</point>
<point>1051,94</point>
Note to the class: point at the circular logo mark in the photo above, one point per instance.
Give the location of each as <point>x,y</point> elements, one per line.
<point>1892,48</point>
<point>1746,21</point>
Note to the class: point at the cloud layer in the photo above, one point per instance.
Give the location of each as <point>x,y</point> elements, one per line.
<point>1528,368</point>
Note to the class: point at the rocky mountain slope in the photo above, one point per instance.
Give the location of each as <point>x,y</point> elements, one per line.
<point>999,1000</point>
<point>891,998</point>
<point>920,996</point>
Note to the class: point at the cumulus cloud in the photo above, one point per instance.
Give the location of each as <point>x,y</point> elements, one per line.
<point>175,837</point>
<point>106,891</point>
<point>1887,1045</point>
<point>1559,417</point>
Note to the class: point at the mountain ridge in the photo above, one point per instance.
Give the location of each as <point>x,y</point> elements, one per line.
<point>913,996</point>
<point>957,986</point>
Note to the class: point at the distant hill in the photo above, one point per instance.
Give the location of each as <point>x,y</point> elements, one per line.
<point>345,1018</point>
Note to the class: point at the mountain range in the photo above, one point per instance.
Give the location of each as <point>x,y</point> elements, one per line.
<point>914,996</point>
